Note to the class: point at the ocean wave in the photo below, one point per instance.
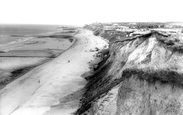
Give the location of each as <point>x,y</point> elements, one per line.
<point>16,44</point>
<point>16,41</point>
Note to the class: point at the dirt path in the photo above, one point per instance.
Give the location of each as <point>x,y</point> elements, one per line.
<point>40,91</point>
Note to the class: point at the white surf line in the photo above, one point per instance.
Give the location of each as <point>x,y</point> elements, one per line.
<point>43,87</point>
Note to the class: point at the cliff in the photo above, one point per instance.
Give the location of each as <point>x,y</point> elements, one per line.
<point>141,75</point>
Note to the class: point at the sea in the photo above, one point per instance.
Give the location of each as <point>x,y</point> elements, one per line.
<point>12,33</point>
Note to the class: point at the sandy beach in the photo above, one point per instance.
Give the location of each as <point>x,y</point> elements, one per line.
<point>43,90</point>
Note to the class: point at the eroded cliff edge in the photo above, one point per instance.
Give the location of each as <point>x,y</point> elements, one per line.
<point>139,75</point>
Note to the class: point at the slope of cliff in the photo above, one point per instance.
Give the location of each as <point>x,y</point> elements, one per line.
<point>141,75</point>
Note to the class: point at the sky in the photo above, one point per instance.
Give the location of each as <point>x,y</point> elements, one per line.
<point>80,12</point>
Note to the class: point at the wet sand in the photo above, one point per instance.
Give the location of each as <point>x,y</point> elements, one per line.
<point>22,55</point>
<point>30,49</point>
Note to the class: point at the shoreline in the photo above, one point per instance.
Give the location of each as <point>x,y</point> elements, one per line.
<point>43,49</point>
<point>13,67</point>
<point>41,90</point>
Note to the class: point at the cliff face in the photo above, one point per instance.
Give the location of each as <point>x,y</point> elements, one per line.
<point>142,75</point>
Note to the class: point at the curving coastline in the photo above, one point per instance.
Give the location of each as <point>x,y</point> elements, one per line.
<point>43,89</point>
